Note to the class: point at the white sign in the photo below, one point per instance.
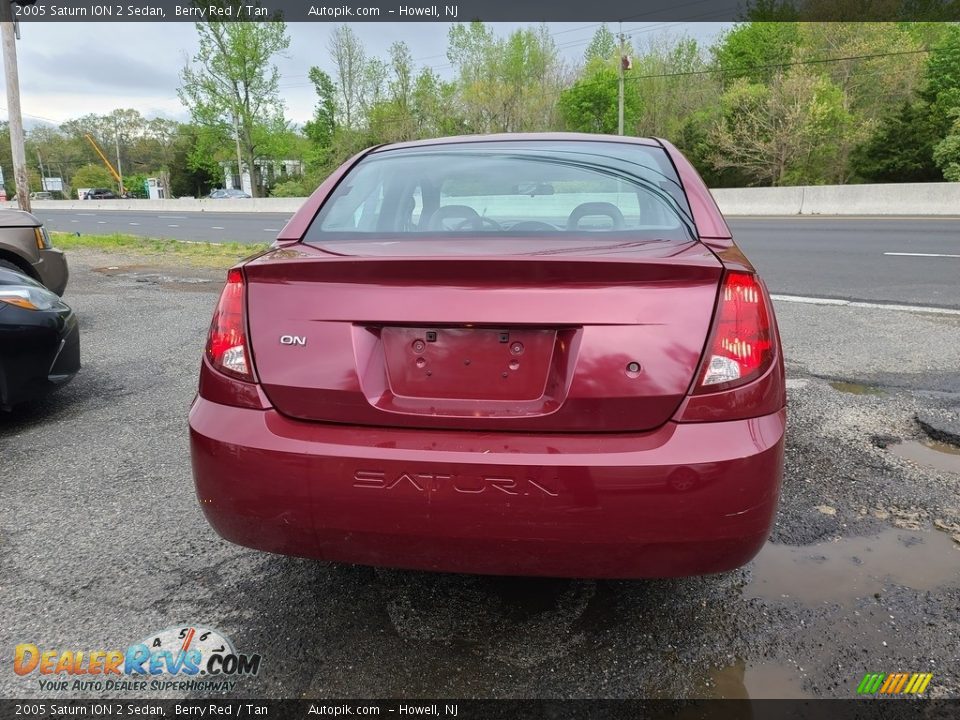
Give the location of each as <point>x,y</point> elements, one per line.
<point>53,184</point>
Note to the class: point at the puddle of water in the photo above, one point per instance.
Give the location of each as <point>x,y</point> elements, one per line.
<point>746,681</point>
<point>856,388</point>
<point>857,567</point>
<point>932,453</point>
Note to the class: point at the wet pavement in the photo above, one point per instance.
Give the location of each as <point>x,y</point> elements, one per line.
<point>102,541</point>
<point>847,570</point>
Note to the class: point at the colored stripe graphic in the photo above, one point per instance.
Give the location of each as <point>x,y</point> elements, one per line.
<point>894,683</point>
<point>870,683</point>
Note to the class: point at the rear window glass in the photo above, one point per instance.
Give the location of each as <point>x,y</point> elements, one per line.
<point>508,188</point>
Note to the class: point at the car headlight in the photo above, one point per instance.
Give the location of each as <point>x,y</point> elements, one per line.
<point>29,297</point>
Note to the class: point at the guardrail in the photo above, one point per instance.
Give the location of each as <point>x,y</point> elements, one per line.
<point>891,199</point>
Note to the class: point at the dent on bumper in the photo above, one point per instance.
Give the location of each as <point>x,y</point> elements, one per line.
<point>685,499</point>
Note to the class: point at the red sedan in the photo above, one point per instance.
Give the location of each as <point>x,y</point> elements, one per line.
<point>517,354</point>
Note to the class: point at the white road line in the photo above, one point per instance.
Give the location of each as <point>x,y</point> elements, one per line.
<point>216,227</point>
<point>893,218</point>
<point>88,214</point>
<point>134,223</point>
<point>857,304</point>
<point>74,221</point>
<point>173,226</point>
<point>101,222</point>
<point>921,254</point>
<point>271,229</point>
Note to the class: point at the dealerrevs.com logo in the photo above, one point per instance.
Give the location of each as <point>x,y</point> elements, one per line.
<point>181,658</point>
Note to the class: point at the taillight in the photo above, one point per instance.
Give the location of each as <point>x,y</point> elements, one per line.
<point>227,346</point>
<point>740,348</point>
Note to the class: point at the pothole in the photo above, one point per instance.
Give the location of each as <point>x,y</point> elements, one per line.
<point>846,570</point>
<point>855,388</point>
<point>749,681</point>
<point>148,274</point>
<point>930,453</point>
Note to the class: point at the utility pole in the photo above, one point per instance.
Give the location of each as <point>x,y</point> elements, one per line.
<point>620,93</point>
<point>9,41</point>
<point>236,132</point>
<point>625,64</point>
<point>116,140</point>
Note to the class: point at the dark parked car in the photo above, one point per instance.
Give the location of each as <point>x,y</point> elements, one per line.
<point>515,354</point>
<point>228,194</point>
<point>39,340</point>
<point>100,194</point>
<point>25,247</point>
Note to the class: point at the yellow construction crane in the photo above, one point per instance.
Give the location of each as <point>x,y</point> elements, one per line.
<point>116,175</point>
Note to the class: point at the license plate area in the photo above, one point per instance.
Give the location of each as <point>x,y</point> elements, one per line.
<point>468,363</point>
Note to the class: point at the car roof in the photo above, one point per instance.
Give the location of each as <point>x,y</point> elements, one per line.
<point>521,137</point>
<point>17,218</point>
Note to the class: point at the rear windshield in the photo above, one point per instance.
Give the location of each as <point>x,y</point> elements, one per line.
<point>507,189</point>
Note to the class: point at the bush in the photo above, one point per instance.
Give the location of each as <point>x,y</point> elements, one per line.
<point>289,188</point>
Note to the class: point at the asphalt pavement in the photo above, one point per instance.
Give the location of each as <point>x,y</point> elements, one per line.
<point>102,541</point>
<point>886,260</point>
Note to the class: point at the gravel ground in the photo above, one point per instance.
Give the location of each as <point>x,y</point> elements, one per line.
<point>102,541</point>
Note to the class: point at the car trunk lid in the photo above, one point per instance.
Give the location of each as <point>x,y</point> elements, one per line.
<point>545,336</point>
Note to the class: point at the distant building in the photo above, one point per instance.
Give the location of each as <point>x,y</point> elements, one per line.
<point>271,171</point>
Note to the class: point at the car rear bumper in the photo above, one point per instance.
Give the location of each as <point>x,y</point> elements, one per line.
<point>686,499</point>
<point>52,269</point>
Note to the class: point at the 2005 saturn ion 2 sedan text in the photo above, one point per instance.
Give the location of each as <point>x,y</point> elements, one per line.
<point>512,354</point>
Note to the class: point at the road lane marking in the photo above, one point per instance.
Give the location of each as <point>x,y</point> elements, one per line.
<point>88,214</point>
<point>859,304</point>
<point>173,226</point>
<point>271,229</point>
<point>216,227</point>
<point>931,218</point>
<point>134,223</point>
<point>74,221</point>
<point>899,254</point>
<point>101,222</point>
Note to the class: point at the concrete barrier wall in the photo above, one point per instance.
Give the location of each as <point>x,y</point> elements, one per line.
<point>893,199</point>
<point>759,201</point>
<point>275,205</point>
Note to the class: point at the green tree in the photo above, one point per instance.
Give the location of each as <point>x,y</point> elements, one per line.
<point>755,50</point>
<point>671,77</point>
<point>946,153</point>
<point>901,148</point>
<point>591,104</point>
<point>786,133</point>
<point>349,59</point>
<point>505,84</point>
<point>191,176</point>
<point>93,176</point>
<point>603,46</point>
<point>232,83</point>
<point>320,128</point>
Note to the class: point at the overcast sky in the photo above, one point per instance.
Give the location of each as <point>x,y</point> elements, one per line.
<point>71,69</point>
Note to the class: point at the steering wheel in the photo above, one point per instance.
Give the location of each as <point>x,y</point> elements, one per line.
<point>470,219</point>
<point>479,222</point>
<point>593,209</point>
<point>533,225</point>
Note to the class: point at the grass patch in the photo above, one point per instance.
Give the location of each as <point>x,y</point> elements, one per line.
<point>203,254</point>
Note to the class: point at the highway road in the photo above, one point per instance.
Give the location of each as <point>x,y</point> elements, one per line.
<point>912,261</point>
